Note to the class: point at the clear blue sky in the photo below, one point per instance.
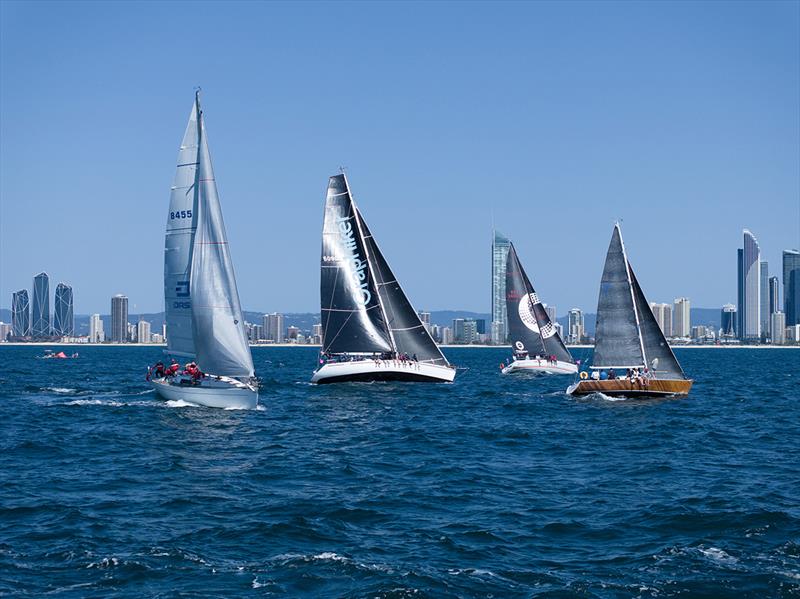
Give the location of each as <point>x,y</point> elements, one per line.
<point>681,118</point>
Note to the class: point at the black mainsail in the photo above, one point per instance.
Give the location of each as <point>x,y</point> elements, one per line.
<point>352,317</point>
<point>529,326</point>
<point>364,309</point>
<point>627,334</point>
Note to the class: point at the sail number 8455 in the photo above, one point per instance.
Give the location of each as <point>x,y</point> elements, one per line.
<point>180,214</point>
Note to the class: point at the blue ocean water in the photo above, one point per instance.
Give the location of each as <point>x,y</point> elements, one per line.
<point>490,487</point>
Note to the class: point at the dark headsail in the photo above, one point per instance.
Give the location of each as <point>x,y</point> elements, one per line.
<point>408,333</point>
<point>529,326</point>
<point>658,354</point>
<point>352,318</point>
<point>618,342</point>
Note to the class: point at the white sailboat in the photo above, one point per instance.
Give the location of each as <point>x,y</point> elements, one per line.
<point>370,330</point>
<point>537,346</point>
<point>203,313</point>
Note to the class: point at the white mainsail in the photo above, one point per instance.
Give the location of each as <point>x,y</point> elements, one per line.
<point>217,338</point>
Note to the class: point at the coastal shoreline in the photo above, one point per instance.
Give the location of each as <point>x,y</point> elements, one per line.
<point>473,346</point>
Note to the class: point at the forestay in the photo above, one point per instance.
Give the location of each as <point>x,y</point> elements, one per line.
<point>352,319</point>
<point>529,326</point>
<point>618,343</point>
<point>217,325</point>
<point>407,331</point>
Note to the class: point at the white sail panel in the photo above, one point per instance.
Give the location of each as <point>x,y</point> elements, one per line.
<point>219,336</point>
<point>181,225</point>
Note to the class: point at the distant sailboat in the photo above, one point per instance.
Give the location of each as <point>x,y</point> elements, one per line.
<point>203,314</point>
<point>536,343</point>
<point>370,330</point>
<point>627,337</point>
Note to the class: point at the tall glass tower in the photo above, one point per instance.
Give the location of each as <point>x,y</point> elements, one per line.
<point>791,287</point>
<point>763,305</point>
<point>40,325</point>
<point>63,320</point>
<point>119,319</point>
<point>500,245</point>
<point>20,314</point>
<point>749,289</point>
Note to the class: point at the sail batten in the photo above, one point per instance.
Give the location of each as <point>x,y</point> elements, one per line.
<point>529,326</point>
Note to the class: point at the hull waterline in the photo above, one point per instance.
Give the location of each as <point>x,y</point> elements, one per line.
<point>625,388</point>
<point>382,370</point>
<point>225,393</point>
<point>540,367</point>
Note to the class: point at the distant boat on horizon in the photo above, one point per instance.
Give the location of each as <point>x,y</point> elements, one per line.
<point>370,331</point>
<point>628,337</point>
<point>529,327</point>
<point>203,314</point>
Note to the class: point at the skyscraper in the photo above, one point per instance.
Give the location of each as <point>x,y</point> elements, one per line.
<point>20,314</point>
<point>728,321</point>
<point>119,319</point>
<point>791,287</point>
<point>663,316</point>
<point>763,293</point>
<point>681,319</point>
<point>575,330</point>
<point>96,332</point>
<point>63,319</point>
<point>274,328</point>
<point>143,331</point>
<point>778,328</point>
<point>551,313</point>
<point>774,296</point>
<point>500,245</point>
<point>40,325</point>
<point>749,289</point>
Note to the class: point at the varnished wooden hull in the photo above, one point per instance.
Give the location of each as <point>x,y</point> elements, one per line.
<point>624,388</point>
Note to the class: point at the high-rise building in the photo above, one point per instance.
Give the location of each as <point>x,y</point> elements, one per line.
<point>143,331</point>
<point>575,329</point>
<point>778,328</point>
<point>728,321</point>
<point>274,329</point>
<point>96,332</point>
<point>119,319</point>
<point>749,289</point>
<point>551,313</point>
<point>663,316</point>
<point>63,318</point>
<point>500,246</point>
<point>425,319</point>
<point>763,293</point>
<point>447,336</point>
<point>791,286</point>
<point>681,318</point>
<point>6,330</point>
<point>774,296</point>
<point>20,314</point>
<point>40,318</point>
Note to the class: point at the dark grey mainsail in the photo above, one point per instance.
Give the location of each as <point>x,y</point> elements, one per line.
<point>352,318</point>
<point>529,326</point>
<point>618,341</point>
<point>407,331</point>
<point>658,354</point>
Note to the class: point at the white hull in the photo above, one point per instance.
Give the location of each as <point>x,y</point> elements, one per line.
<point>540,366</point>
<point>383,370</point>
<point>213,392</point>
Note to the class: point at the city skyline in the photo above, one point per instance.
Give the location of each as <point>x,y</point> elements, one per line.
<point>706,124</point>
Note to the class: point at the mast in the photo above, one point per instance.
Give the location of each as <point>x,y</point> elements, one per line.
<point>371,274</point>
<point>633,297</point>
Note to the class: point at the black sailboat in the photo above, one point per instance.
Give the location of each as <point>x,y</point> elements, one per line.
<point>536,343</point>
<point>628,338</point>
<point>370,329</point>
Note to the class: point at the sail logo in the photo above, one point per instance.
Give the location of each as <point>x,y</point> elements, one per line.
<point>358,266</point>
